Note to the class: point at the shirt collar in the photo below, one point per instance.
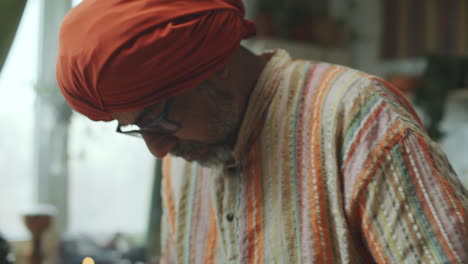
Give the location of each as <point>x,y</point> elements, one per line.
<point>260,99</point>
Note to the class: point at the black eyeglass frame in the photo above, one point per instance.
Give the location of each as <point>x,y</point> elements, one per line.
<point>147,128</point>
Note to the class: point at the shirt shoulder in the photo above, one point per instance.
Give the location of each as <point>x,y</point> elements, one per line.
<point>355,97</point>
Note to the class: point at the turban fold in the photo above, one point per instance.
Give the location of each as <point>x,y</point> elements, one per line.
<point>121,55</point>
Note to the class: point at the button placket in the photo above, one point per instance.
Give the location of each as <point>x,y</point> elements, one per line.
<point>231,178</point>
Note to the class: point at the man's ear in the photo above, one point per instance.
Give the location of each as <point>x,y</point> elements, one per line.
<point>223,73</point>
<point>220,77</point>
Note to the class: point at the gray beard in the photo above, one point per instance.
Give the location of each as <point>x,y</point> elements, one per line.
<point>217,155</point>
<point>225,123</point>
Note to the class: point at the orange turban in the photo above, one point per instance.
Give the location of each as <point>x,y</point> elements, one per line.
<point>117,55</point>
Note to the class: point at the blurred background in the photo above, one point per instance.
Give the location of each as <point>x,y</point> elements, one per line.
<point>98,185</point>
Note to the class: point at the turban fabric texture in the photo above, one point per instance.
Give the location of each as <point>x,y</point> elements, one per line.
<point>121,55</point>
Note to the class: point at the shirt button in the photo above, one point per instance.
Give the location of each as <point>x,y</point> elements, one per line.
<point>230,217</point>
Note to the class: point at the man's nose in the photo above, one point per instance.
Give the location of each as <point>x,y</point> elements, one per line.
<point>159,146</point>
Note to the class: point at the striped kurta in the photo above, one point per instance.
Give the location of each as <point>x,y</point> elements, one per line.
<point>331,165</point>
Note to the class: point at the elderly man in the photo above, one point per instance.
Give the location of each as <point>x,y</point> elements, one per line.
<point>284,161</point>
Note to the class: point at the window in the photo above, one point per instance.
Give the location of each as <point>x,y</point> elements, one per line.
<point>110,175</point>
<point>16,116</point>
<point>111,179</point>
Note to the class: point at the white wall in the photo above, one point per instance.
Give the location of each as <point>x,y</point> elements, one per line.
<point>454,143</point>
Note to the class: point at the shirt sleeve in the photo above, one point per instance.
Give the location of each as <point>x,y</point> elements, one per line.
<point>412,207</point>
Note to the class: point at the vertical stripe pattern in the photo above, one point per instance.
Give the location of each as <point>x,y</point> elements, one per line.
<point>331,166</point>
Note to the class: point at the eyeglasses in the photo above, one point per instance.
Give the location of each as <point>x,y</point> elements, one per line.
<point>160,126</point>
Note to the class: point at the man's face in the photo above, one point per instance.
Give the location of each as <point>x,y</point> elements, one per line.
<point>209,121</point>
